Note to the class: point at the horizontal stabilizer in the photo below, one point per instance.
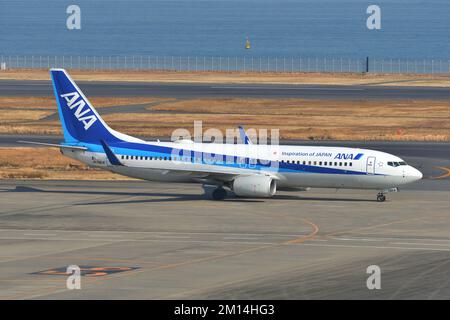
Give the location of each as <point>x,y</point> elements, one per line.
<point>53,145</point>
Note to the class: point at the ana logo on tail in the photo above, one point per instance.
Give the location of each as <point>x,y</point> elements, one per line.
<point>80,112</point>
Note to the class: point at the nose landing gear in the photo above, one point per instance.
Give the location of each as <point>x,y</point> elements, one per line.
<point>381,195</point>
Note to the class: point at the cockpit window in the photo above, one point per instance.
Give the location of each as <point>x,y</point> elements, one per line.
<point>396,164</point>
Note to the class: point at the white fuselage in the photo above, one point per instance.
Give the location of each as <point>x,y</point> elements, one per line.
<point>291,166</point>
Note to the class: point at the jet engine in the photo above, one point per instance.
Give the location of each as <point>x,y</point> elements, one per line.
<point>257,186</point>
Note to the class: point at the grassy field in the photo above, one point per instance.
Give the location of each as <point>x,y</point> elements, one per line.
<point>48,103</point>
<point>46,163</point>
<point>239,77</point>
<point>295,118</point>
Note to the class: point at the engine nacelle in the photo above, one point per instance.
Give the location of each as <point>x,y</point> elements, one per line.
<point>254,186</point>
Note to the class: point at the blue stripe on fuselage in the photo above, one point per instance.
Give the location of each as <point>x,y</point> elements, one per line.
<point>147,150</point>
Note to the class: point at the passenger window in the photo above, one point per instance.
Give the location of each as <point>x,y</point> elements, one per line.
<point>320,163</point>
<point>335,164</point>
<point>340,164</point>
<point>350,164</point>
<point>315,162</point>
<point>345,164</point>
<point>325,163</point>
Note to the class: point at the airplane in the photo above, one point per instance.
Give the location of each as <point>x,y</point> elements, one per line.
<point>245,170</point>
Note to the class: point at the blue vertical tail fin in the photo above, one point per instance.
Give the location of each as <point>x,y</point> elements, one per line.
<point>80,121</point>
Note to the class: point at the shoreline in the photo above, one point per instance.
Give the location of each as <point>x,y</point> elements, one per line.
<point>220,77</point>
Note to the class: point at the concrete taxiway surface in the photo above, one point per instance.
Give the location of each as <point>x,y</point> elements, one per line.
<point>180,90</point>
<point>301,245</point>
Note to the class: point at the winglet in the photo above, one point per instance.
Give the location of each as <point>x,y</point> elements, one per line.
<point>111,156</point>
<point>244,136</point>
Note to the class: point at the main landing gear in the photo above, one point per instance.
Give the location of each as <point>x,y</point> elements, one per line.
<point>214,192</point>
<point>381,195</point>
<point>219,194</point>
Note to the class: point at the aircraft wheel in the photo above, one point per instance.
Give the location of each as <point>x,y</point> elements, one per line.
<point>381,197</point>
<point>219,194</point>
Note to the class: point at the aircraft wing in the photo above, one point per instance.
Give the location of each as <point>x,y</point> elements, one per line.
<point>217,174</point>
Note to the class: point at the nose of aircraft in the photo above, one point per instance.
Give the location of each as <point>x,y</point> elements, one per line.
<point>414,174</point>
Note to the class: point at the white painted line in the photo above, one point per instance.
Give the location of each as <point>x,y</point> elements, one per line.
<point>357,239</point>
<point>369,247</point>
<point>163,236</point>
<point>423,244</point>
<point>287,88</point>
<point>159,232</point>
<point>142,240</point>
<point>397,239</point>
<point>238,238</point>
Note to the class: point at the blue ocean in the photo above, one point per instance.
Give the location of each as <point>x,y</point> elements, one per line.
<point>410,29</point>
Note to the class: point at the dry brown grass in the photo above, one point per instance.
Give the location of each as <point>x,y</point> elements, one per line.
<point>318,127</point>
<point>296,118</point>
<point>46,163</point>
<point>300,107</point>
<point>23,115</point>
<point>238,77</point>
<point>48,103</point>
<point>300,119</point>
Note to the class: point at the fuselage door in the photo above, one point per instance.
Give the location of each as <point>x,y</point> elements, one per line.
<point>370,165</point>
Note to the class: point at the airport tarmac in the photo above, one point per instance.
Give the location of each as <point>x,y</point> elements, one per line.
<point>182,90</point>
<point>166,241</point>
<point>172,243</point>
